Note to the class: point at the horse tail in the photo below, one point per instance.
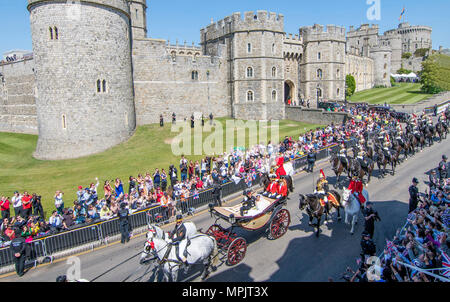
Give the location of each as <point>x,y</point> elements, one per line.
<point>215,259</point>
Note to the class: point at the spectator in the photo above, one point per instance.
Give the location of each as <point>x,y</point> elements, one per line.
<point>59,203</point>
<point>4,206</point>
<point>17,203</point>
<point>68,218</point>
<point>38,210</point>
<point>55,222</point>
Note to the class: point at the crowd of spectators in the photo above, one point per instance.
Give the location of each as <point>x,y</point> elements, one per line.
<point>173,188</point>
<point>420,250</point>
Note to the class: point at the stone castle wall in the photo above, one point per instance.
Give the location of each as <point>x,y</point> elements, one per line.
<point>17,99</point>
<point>314,116</point>
<point>76,116</point>
<point>163,82</point>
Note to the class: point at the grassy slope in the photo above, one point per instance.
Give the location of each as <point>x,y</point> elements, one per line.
<point>402,93</point>
<point>148,149</point>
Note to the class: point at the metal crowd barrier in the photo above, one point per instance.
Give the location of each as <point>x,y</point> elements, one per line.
<point>102,230</point>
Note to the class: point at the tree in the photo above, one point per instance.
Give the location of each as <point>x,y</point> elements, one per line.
<point>404,71</point>
<point>435,75</point>
<point>392,81</point>
<point>406,55</point>
<point>351,85</point>
<point>421,52</point>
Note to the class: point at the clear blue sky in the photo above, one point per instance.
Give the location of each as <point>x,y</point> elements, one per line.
<point>182,20</point>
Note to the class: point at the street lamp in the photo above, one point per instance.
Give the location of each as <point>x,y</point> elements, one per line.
<point>317,95</point>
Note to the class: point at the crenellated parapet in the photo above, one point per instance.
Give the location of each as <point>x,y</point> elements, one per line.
<point>249,21</point>
<point>318,32</point>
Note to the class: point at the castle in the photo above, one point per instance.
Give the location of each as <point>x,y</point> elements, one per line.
<point>94,75</point>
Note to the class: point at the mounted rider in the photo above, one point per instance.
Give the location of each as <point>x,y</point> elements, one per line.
<point>321,190</point>
<point>356,186</point>
<point>387,147</point>
<point>343,155</point>
<point>280,172</point>
<point>362,157</point>
<point>177,236</point>
<point>399,136</point>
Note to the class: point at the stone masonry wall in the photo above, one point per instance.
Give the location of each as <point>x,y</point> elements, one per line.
<point>163,83</point>
<point>17,102</point>
<point>314,116</point>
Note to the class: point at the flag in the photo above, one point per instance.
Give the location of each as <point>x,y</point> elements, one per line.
<point>401,15</point>
<point>415,263</point>
<point>196,196</point>
<point>390,246</point>
<point>446,264</point>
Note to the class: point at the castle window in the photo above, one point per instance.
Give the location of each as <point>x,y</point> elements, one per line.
<point>56,33</point>
<point>273,48</point>
<point>338,73</point>
<point>249,72</point>
<point>99,86</point>
<point>250,96</point>
<point>384,76</point>
<point>63,121</point>
<point>319,93</point>
<point>173,54</point>
<point>195,75</point>
<point>338,92</point>
<point>385,66</point>
<point>249,48</point>
<point>274,72</point>
<point>51,33</point>
<point>104,85</point>
<point>318,56</point>
<point>319,73</point>
<point>274,95</point>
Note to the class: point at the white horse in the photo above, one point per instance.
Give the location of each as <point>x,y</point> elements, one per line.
<point>202,250</point>
<point>289,168</point>
<point>352,206</point>
<point>156,231</point>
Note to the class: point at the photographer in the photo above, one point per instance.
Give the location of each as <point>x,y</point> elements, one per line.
<point>368,247</point>
<point>370,216</point>
<point>38,210</point>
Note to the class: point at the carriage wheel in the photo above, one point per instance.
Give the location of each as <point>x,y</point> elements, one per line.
<point>236,251</point>
<point>280,224</point>
<point>213,230</point>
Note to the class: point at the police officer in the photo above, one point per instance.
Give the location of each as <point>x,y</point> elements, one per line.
<point>311,158</point>
<point>17,248</point>
<point>177,235</point>
<point>443,168</point>
<point>203,120</point>
<point>192,121</point>
<point>124,223</point>
<point>413,195</point>
<point>248,203</point>
<point>370,216</point>
<point>367,246</point>
<point>216,194</point>
<point>161,120</point>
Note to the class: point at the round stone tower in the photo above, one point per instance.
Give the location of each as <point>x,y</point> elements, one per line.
<point>84,98</point>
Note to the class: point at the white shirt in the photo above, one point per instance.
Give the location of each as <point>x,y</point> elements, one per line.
<point>58,200</point>
<point>17,201</point>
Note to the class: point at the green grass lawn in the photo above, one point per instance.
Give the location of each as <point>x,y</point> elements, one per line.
<point>402,93</point>
<point>148,149</point>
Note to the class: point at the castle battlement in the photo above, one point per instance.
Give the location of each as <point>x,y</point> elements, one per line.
<point>364,29</point>
<point>318,32</point>
<point>249,21</point>
<point>121,5</point>
<point>291,38</point>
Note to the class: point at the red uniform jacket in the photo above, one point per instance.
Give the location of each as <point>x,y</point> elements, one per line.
<point>357,186</point>
<point>280,171</point>
<point>272,187</point>
<point>282,190</point>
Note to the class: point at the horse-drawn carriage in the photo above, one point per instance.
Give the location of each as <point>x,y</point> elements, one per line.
<point>268,213</point>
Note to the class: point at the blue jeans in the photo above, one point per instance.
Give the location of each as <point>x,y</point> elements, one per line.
<point>183,176</point>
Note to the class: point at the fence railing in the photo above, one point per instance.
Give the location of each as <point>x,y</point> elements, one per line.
<point>101,231</point>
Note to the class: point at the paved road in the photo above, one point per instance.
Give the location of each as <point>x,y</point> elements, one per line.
<point>298,256</point>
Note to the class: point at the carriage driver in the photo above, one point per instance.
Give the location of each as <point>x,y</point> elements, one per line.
<point>177,235</point>
<point>249,201</point>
